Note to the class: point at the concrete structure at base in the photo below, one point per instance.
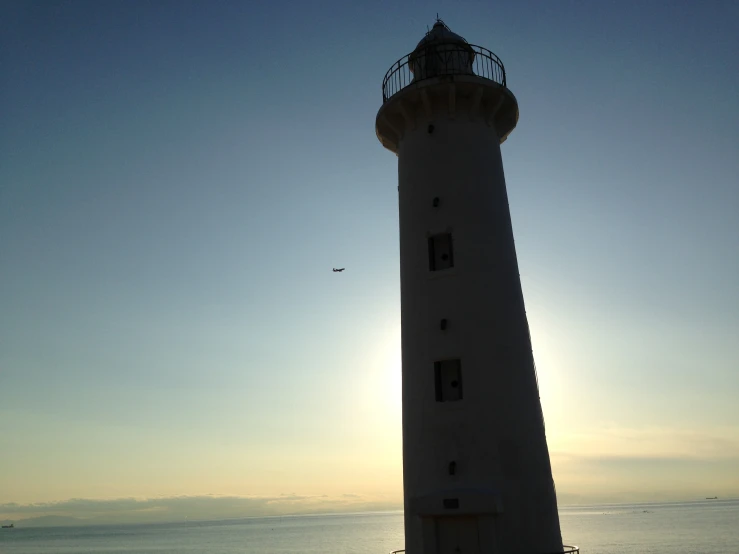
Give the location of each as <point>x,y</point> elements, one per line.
<point>476,471</point>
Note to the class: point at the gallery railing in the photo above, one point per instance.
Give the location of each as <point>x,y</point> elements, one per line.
<point>442,58</point>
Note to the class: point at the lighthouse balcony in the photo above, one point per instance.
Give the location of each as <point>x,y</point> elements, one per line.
<point>444,77</point>
<point>442,59</point>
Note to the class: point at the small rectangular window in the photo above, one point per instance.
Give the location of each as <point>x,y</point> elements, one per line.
<point>448,375</point>
<point>440,252</point>
<point>451,503</point>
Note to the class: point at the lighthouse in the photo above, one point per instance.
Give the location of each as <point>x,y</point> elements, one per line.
<point>476,472</point>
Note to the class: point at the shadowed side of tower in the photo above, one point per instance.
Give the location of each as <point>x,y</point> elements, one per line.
<point>476,470</point>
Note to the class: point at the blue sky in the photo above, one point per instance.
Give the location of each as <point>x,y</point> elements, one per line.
<point>177,180</point>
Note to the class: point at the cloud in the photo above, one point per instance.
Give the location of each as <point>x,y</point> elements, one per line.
<point>648,464</point>
<point>651,442</point>
<point>180,508</point>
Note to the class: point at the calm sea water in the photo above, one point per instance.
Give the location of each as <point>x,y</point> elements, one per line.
<point>710,527</point>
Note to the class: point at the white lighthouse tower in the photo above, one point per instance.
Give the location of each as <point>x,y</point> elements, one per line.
<point>476,471</point>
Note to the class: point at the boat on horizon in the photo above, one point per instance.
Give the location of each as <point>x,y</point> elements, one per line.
<point>11,526</point>
<point>711,497</point>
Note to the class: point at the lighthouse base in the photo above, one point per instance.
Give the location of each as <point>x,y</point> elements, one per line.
<point>565,550</point>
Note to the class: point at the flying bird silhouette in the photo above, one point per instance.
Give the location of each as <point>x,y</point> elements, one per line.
<point>339,270</point>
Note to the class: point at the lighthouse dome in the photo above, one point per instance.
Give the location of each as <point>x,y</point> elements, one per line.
<point>441,52</point>
<point>440,33</point>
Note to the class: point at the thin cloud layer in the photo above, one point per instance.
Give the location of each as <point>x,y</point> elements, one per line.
<point>653,442</point>
<point>182,508</point>
<point>648,464</point>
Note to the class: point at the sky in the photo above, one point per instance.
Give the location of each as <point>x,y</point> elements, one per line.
<point>178,178</point>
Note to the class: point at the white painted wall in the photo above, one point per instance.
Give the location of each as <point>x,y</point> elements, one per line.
<point>495,434</point>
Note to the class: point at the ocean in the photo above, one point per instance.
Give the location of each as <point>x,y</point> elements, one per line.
<point>708,527</point>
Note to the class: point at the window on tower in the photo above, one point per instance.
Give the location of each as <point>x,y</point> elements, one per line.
<point>440,252</point>
<point>448,375</point>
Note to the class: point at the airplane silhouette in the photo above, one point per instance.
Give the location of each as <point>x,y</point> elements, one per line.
<point>339,270</point>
